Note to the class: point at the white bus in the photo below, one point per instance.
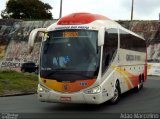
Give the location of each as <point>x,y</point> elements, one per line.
<point>88,58</point>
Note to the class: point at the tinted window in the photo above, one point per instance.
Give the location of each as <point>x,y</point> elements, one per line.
<point>72,54</point>
<point>131,42</point>
<point>109,48</point>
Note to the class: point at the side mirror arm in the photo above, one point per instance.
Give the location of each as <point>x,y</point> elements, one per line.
<point>101,35</point>
<point>32,37</point>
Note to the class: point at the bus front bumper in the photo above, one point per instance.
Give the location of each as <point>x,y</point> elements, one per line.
<point>77,97</point>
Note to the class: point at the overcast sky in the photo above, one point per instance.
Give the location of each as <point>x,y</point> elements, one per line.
<point>114,9</point>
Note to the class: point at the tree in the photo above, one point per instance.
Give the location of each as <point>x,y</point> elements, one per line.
<point>27,9</point>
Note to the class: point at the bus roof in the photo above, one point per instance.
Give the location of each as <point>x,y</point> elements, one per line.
<point>80,18</point>
<point>87,18</point>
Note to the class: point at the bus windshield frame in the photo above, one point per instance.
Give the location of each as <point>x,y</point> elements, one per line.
<point>70,55</point>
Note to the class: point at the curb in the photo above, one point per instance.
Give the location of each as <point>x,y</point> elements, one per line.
<point>19,94</point>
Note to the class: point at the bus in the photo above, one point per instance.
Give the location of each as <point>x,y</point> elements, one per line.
<point>89,58</point>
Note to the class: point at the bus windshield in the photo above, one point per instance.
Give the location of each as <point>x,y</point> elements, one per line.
<point>70,55</point>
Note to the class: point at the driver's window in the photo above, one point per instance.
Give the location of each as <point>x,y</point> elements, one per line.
<point>109,48</point>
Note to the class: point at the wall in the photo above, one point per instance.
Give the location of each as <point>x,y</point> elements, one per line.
<point>14,40</point>
<point>14,43</point>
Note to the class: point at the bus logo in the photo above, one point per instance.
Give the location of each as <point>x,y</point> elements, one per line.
<point>65,87</point>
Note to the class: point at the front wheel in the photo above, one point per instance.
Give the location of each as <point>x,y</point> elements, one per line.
<point>117,94</point>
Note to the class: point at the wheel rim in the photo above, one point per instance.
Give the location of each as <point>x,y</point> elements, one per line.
<point>140,84</point>
<point>116,95</point>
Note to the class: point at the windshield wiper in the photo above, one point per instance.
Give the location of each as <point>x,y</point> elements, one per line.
<point>53,71</point>
<point>78,74</point>
<point>68,73</point>
<point>49,74</point>
<point>60,68</point>
<point>63,68</point>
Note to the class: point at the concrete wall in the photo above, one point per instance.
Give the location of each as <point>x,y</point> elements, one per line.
<point>14,43</point>
<point>14,40</point>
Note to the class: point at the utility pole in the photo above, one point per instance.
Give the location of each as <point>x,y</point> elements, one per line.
<point>132,10</point>
<point>60,13</point>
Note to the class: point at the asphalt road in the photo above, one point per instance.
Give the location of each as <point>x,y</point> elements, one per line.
<point>145,101</point>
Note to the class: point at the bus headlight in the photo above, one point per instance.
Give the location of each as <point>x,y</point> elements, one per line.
<point>93,90</point>
<point>41,88</point>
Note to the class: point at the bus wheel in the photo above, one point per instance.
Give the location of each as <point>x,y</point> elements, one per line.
<point>117,94</point>
<point>140,85</point>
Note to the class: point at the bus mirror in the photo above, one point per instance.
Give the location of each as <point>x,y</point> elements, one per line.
<point>33,36</point>
<point>101,34</point>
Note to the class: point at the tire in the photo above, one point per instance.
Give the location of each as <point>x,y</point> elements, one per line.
<point>117,93</point>
<point>140,85</point>
<point>23,71</point>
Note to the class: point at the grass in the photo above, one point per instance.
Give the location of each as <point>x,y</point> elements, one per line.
<point>12,82</point>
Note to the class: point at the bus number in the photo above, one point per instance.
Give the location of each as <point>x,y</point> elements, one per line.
<point>70,34</point>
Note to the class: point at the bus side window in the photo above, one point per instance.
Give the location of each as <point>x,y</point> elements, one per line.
<point>109,48</point>
<point>131,42</point>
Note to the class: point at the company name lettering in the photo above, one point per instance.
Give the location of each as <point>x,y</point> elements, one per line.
<point>72,27</point>
<point>133,57</point>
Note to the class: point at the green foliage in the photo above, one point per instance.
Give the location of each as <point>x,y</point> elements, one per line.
<point>12,82</point>
<point>27,9</point>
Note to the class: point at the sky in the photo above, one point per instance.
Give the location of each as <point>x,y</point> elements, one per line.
<point>113,9</point>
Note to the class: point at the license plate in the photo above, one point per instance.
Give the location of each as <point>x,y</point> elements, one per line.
<point>65,99</point>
